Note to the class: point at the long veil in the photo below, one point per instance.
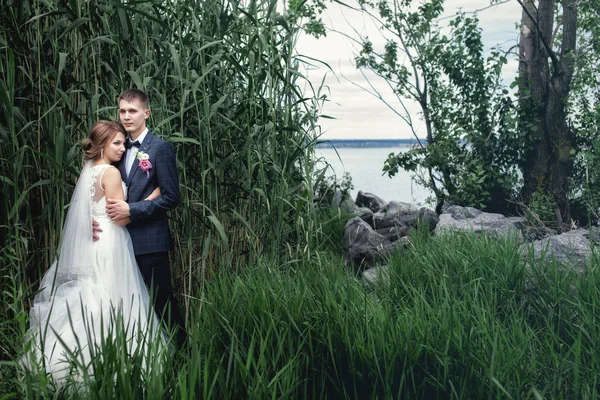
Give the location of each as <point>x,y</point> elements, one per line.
<point>73,262</point>
<point>47,339</point>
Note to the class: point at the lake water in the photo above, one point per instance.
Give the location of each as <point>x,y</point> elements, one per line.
<point>365,165</point>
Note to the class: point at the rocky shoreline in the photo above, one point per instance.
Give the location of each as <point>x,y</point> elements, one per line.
<point>379,228</point>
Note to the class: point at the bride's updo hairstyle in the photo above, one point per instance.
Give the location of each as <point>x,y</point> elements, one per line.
<point>101,132</point>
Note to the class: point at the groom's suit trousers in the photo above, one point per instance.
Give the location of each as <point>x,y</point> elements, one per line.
<point>155,270</point>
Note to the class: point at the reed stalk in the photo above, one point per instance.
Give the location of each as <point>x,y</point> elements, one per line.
<point>224,87</point>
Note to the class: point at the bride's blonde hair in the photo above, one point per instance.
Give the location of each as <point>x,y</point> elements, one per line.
<point>101,132</point>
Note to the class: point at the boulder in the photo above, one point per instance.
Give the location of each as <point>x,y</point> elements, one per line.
<point>336,200</point>
<point>365,214</point>
<point>569,248</point>
<point>373,276</point>
<point>348,206</point>
<point>400,214</point>
<point>394,233</point>
<point>363,247</point>
<point>396,207</point>
<point>429,216</point>
<point>369,200</point>
<point>533,233</point>
<point>469,219</point>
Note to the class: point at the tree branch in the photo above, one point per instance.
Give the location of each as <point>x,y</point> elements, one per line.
<point>375,93</point>
<point>475,11</point>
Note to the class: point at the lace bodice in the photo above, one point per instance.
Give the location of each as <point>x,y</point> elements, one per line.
<point>97,197</point>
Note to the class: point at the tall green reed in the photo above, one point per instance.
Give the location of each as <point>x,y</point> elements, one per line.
<point>224,86</point>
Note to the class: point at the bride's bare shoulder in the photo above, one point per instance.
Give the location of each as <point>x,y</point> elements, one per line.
<point>111,174</point>
<point>111,183</point>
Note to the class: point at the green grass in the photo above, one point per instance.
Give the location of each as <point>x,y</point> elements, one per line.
<point>460,317</point>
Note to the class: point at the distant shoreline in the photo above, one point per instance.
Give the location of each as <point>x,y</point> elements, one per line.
<point>369,143</point>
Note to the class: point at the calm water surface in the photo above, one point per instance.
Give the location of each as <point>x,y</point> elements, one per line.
<point>365,165</point>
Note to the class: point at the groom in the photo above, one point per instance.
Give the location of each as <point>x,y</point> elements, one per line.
<point>149,162</point>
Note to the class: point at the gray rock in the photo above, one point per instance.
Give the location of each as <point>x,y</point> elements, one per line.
<point>469,219</point>
<point>373,276</point>
<point>429,216</point>
<point>369,200</point>
<point>365,214</point>
<point>363,247</point>
<point>348,206</point>
<point>337,198</point>
<point>445,206</point>
<point>460,213</point>
<point>404,216</point>
<point>402,242</point>
<point>394,233</point>
<point>593,234</point>
<point>396,207</point>
<point>380,221</point>
<point>569,248</point>
<point>533,233</point>
<point>519,222</point>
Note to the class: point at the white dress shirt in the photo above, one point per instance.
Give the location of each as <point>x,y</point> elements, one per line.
<point>131,153</point>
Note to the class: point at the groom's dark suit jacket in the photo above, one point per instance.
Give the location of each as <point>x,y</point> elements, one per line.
<point>149,227</point>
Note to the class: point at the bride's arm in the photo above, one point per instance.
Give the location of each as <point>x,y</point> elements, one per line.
<point>155,193</point>
<point>113,189</point>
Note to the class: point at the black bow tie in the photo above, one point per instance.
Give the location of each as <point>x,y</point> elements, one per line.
<point>129,144</point>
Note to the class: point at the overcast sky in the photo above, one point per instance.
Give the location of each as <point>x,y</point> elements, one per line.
<point>359,115</point>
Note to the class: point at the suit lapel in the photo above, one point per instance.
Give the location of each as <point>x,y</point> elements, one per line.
<point>145,147</point>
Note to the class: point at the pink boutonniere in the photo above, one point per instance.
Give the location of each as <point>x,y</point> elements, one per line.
<point>144,163</point>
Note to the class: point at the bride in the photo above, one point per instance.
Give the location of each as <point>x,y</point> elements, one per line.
<point>94,288</point>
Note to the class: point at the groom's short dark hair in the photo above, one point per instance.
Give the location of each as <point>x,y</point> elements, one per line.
<point>134,94</point>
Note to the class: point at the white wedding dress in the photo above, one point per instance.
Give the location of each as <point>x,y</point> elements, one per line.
<point>90,289</point>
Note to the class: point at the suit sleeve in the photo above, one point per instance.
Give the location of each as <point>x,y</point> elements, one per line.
<point>168,182</point>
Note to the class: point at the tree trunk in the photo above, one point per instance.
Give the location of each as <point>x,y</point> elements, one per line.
<point>446,178</point>
<point>561,136</point>
<point>544,83</point>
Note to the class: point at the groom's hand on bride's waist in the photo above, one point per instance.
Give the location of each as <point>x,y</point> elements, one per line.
<point>117,209</point>
<point>95,230</point>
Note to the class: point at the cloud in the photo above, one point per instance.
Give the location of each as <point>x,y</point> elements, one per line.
<point>361,115</point>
